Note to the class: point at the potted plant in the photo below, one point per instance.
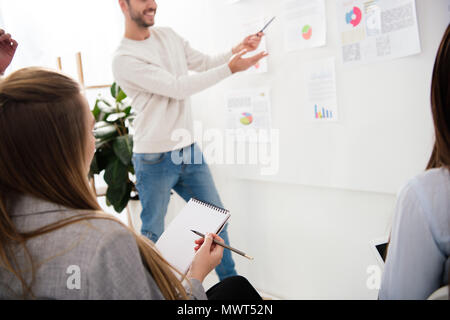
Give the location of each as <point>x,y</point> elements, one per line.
<point>114,148</point>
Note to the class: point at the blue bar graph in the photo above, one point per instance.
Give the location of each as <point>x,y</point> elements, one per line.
<point>324,114</point>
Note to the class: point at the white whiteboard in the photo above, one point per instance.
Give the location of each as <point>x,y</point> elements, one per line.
<point>385,132</point>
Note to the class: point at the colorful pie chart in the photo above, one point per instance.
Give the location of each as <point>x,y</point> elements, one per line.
<point>247,119</point>
<point>307,32</point>
<point>354,16</point>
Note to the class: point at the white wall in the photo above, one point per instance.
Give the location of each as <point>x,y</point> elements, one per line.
<point>308,242</point>
<point>376,143</point>
<point>48,29</point>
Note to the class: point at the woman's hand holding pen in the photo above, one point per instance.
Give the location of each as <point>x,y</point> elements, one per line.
<point>208,256</point>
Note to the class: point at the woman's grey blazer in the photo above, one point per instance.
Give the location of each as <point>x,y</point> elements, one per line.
<point>94,259</point>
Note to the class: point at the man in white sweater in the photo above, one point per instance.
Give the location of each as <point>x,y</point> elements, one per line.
<point>151,65</point>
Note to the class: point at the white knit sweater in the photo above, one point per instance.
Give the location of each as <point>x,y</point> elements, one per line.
<point>154,74</point>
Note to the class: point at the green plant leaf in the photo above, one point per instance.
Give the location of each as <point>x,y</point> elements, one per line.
<point>101,124</point>
<point>105,106</point>
<point>96,111</point>
<point>119,197</point>
<point>120,95</point>
<point>115,195</point>
<point>123,149</point>
<point>119,187</point>
<point>105,132</point>
<point>106,102</point>
<point>103,144</point>
<point>127,110</point>
<point>103,156</point>
<point>113,90</point>
<point>113,117</point>
<point>116,173</point>
<point>114,152</point>
<point>94,169</point>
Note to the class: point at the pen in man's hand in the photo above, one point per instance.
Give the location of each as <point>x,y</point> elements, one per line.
<point>267,24</point>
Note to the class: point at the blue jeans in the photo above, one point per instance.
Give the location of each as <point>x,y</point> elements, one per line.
<point>189,176</point>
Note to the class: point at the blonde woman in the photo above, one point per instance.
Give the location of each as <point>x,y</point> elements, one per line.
<point>55,243</point>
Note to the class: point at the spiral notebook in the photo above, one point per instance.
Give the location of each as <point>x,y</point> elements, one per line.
<point>177,245</point>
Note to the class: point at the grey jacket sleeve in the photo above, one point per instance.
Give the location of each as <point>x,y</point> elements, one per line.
<point>414,263</point>
<point>195,290</point>
<point>116,271</point>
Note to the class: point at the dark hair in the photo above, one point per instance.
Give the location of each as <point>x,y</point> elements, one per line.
<point>440,108</point>
<point>440,105</point>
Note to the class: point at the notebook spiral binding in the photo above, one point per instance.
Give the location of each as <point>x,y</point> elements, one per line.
<point>210,205</point>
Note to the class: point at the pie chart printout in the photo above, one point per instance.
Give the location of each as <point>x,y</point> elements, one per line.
<point>354,16</point>
<point>247,119</point>
<point>307,32</point>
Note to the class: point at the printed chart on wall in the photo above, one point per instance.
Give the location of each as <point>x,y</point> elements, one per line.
<point>320,76</point>
<point>377,30</point>
<point>249,27</point>
<point>249,114</point>
<point>304,24</point>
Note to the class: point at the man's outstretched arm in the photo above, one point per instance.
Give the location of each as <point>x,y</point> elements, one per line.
<point>146,77</point>
<point>200,62</point>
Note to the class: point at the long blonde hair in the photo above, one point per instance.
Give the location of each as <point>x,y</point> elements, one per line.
<point>43,130</point>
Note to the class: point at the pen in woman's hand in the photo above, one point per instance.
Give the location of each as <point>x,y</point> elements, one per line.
<point>224,245</point>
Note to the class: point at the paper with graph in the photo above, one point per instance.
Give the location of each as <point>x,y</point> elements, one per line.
<point>304,24</point>
<point>320,76</point>
<point>249,113</point>
<point>378,30</point>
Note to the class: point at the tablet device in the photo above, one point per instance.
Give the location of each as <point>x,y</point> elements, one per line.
<point>379,247</point>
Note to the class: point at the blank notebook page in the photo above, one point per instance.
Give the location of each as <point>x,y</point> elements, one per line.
<point>177,245</point>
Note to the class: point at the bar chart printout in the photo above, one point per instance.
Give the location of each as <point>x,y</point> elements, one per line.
<point>321,103</point>
<point>322,113</point>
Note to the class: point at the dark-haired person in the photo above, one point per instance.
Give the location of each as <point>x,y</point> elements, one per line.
<point>55,242</point>
<point>8,48</point>
<point>418,262</point>
<point>152,66</point>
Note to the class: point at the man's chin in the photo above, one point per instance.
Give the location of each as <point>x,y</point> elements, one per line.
<point>149,24</point>
<point>144,23</point>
